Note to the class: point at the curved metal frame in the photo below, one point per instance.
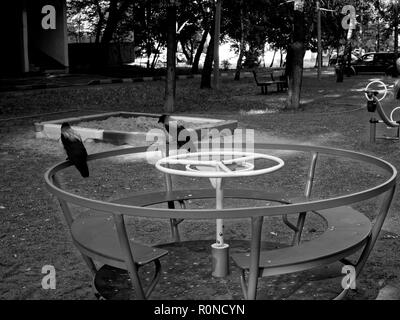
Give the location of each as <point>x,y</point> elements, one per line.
<point>255,213</point>
<point>236,213</point>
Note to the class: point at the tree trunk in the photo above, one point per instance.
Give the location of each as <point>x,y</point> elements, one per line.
<point>329,54</point>
<point>294,62</point>
<point>191,50</point>
<point>155,57</point>
<point>148,37</point>
<point>100,22</point>
<point>208,64</point>
<point>378,43</point>
<point>186,53</point>
<point>148,59</point>
<point>239,65</point>
<point>396,27</point>
<point>273,59</point>
<point>199,51</point>
<point>217,32</point>
<point>242,44</point>
<point>114,17</point>
<point>281,60</point>
<point>170,82</point>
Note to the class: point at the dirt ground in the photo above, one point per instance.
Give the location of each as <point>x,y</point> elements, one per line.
<point>33,232</point>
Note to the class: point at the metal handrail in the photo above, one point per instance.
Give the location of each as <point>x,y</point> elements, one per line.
<point>235,213</point>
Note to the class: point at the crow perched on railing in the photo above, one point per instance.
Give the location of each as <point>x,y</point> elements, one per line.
<point>75,149</point>
<point>165,119</point>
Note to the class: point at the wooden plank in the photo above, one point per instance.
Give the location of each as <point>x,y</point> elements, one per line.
<point>346,229</point>
<point>97,238</point>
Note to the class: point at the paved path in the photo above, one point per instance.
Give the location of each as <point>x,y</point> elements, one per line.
<point>49,81</point>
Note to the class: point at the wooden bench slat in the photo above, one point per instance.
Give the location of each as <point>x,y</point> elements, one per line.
<point>347,230</point>
<point>97,237</point>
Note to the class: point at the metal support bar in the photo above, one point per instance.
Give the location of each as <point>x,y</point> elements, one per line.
<point>373,236</point>
<point>63,204</point>
<point>307,193</point>
<point>168,185</point>
<point>220,250</point>
<point>90,263</point>
<point>131,265</point>
<point>243,283</point>
<point>157,274</point>
<point>376,229</point>
<point>69,219</point>
<point>300,225</point>
<point>372,130</point>
<point>346,261</point>
<point>310,177</point>
<point>175,222</point>
<point>288,223</point>
<point>219,198</point>
<point>174,230</point>
<point>182,203</point>
<point>256,226</point>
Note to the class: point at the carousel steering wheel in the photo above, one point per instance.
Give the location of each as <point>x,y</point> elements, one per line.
<point>218,168</point>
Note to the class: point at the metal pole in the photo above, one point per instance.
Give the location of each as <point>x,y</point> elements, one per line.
<point>307,193</point>
<point>219,198</point>
<point>319,39</point>
<point>220,250</point>
<point>129,260</point>
<point>372,130</point>
<point>256,227</point>
<point>171,205</point>
<point>216,43</point>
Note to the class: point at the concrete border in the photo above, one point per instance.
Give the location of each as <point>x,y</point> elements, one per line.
<point>52,129</point>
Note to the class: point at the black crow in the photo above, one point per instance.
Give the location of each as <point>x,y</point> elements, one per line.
<point>164,119</point>
<point>75,149</point>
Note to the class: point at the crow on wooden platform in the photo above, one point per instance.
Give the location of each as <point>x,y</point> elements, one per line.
<point>75,149</point>
<point>164,119</point>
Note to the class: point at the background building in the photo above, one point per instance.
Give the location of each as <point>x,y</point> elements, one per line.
<point>33,35</point>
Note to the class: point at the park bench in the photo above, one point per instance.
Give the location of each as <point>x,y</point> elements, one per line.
<point>269,78</point>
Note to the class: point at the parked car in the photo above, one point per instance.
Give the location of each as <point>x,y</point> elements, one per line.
<point>375,62</point>
<point>333,58</point>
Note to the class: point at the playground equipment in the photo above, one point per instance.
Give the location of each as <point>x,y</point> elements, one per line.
<point>101,234</point>
<point>217,169</point>
<point>374,105</point>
